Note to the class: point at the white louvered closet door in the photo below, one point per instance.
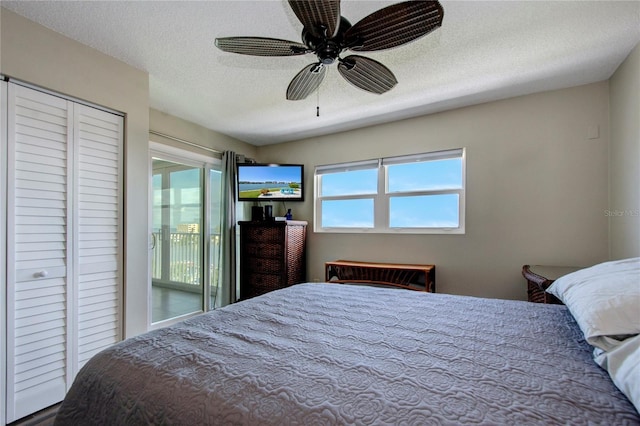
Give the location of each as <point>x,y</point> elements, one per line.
<point>63,243</point>
<point>38,244</point>
<point>98,143</point>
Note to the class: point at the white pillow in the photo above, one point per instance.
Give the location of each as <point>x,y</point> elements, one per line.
<point>623,365</point>
<point>604,299</point>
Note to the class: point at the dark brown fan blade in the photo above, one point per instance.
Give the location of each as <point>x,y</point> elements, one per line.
<point>318,16</point>
<point>306,81</point>
<point>395,25</point>
<point>367,74</point>
<point>260,46</point>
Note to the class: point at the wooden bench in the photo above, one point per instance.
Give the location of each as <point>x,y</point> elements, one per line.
<point>406,276</point>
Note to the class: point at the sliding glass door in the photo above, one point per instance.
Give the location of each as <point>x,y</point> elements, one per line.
<point>185,234</point>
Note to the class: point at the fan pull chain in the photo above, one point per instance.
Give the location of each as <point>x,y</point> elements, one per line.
<point>318,102</point>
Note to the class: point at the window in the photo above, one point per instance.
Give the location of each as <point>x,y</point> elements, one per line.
<point>421,193</point>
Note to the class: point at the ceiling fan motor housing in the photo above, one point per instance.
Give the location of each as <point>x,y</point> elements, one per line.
<point>326,48</point>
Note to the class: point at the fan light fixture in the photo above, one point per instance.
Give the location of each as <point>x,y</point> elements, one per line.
<point>327,34</point>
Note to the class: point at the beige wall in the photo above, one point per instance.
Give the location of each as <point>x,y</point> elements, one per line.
<point>39,56</point>
<point>624,159</point>
<point>536,189</point>
<point>182,129</point>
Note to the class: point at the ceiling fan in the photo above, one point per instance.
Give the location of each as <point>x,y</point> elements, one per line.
<point>327,34</point>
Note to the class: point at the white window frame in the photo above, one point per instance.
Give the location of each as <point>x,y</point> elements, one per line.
<point>382,198</point>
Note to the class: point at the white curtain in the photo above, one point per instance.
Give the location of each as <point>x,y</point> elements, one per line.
<point>228,230</point>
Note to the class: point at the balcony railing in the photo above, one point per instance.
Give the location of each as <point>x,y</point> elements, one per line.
<point>184,258</point>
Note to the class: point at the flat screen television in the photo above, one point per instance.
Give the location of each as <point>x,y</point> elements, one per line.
<point>270,182</point>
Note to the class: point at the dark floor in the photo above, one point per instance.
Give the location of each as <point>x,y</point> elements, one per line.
<point>169,303</point>
<point>41,418</point>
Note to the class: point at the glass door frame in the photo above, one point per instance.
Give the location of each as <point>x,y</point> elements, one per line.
<point>206,163</point>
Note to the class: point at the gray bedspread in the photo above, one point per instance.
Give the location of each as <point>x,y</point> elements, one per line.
<point>331,354</point>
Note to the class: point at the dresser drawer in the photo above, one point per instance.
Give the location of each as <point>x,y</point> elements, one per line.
<point>256,284</point>
<point>274,280</point>
<point>265,265</point>
<point>264,234</point>
<point>259,249</point>
<point>257,290</point>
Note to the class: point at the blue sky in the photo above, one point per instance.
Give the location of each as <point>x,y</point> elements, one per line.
<point>269,174</point>
<point>442,174</point>
<point>438,210</point>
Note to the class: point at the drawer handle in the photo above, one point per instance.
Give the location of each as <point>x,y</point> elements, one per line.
<point>40,274</point>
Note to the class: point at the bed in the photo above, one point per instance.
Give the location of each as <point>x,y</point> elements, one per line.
<point>334,354</point>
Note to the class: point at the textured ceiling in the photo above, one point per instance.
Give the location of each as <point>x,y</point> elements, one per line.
<point>484,51</point>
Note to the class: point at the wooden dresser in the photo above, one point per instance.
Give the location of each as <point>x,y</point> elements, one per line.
<point>272,255</point>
